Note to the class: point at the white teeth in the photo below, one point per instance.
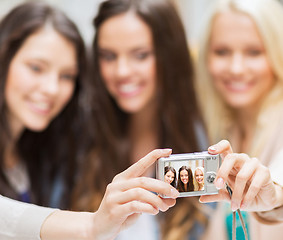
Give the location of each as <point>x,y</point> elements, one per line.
<point>128,88</point>
<point>238,85</point>
<point>42,106</point>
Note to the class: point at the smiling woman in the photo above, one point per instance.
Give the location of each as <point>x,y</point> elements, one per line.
<point>40,82</point>
<point>127,62</point>
<point>240,89</point>
<point>41,53</point>
<point>145,100</point>
<point>42,99</point>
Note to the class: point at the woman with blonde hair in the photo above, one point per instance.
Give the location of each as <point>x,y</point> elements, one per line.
<point>199,179</point>
<point>240,88</point>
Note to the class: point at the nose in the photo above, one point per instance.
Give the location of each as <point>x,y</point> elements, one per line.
<point>123,68</point>
<point>237,64</point>
<point>50,85</point>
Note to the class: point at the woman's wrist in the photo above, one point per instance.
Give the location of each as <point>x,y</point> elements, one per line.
<point>279,195</point>
<point>274,215</point>
<point>67,225</point>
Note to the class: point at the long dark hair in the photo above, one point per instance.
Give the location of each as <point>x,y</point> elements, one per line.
<point>53,150</point>
<point>176,101</point>
<point>166,170</point>
<point>180,184</point>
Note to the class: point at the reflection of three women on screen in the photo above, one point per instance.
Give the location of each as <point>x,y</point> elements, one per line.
<point>187,181</point>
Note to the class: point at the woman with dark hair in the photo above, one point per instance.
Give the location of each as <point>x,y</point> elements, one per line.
<point>42,82</point>
<point>43,94</point>
<point>170,175</point>
<point>145,100</point>
<point>185,179</point>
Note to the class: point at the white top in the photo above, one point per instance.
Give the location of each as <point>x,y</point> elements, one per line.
<point>21,221</point>
<point>145,228</point>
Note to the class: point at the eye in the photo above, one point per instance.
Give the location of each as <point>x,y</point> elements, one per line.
<point>142,55</point>
<point>254,52</point>
<point>221,52</point>
<point>35,67</point>
<point>107,56</point>
<point>70,77</point>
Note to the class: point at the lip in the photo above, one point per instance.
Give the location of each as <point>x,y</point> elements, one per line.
<point>42,108</point>
<point>238,87</point>
<point>129,89</point>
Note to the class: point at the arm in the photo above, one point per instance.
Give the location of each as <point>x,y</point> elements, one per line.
<point>125,198</point>
<point>21,220</point>
<point>253,188</point>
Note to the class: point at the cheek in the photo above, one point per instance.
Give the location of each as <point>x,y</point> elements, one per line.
<point>66,93</point>
<point>216,66</point>
<point>152,73</point>
<point>18,82</point>
<point>263,69</point>
<point>107,75</point>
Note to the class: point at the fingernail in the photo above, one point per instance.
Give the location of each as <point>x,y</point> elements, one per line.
<point>212,148</point>
<point>234,206</point>
<point>219,184</point>
<point>166,150</point>
<point>174,193</point>
<point>200,200</point>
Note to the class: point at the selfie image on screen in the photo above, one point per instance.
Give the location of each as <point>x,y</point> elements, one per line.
<point>186,176</point>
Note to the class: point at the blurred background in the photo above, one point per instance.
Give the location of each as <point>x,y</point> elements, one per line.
<point>83,11</point>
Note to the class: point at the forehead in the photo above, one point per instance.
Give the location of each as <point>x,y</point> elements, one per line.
<point>124,31</point>
<point>184,171</point>
<point>232,26</point>
<point>49,45</point>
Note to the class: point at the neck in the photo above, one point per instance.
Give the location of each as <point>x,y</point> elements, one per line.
<point>143,132</point>
<point>186,187</point>
<point>10,153</point>
<point>245,124</point>
<point>10,156</point>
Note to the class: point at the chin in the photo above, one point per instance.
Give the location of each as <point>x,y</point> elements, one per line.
<point>37,127</point>
<point>130,109</point>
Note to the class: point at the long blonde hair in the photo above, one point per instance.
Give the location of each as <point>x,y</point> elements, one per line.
<point>218,117</point>
<point>197,185</point>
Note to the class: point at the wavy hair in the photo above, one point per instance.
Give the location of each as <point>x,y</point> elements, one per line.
<point>217,115</point>
<point>169,168</point>
<point>53,150</point>
<point>181,185</point>
<point>177,109</point>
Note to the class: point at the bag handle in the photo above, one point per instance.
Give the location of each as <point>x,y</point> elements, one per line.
<point>234,219</point>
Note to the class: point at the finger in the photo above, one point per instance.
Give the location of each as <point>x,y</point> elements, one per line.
<point>133,207</point>
<point>169,202</point>
<point>223,147</point>
<point>143,164</point>
<point>130,220</point>
<point>140,194</point>
<point>243,176</point>
<point>231,162</point>
<point>221,196</point>
<point>150,184</point>
<point>261,178</point>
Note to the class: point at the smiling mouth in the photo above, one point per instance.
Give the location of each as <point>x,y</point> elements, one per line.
<point>129,89</point>
<point>237,86</point>
<point>41,107</point>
